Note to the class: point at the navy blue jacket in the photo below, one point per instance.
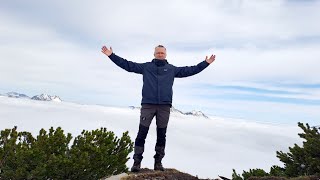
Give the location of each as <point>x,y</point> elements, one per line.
<point>158,77</point>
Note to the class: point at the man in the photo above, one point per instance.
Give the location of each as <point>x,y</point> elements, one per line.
<point>158,78</point>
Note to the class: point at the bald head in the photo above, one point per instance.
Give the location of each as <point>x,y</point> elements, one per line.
<point>160,52</point>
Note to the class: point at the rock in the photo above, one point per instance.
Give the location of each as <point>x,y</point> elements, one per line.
<point>117,177</point>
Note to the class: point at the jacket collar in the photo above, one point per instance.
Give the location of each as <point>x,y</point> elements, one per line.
<point>160,62</point>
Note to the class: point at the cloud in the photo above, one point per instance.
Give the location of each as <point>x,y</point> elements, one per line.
<point>205,21</point>
<point>216,145</point>
<point>54,47</point>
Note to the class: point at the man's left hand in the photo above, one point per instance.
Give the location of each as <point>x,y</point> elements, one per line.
<point>211,59</point>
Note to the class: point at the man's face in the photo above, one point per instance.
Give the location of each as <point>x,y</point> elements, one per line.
<point>160,53</point>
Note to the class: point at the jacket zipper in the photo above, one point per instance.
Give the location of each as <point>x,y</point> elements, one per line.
<point>158,89</point>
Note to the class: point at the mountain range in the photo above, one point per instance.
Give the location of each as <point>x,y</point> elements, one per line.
<point>41,97</point>
<point>174,110</point>
<point>46,97</point>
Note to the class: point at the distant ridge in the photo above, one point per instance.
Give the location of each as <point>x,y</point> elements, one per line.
<point>15,95</point>
<point>174,110</point>
<point>46,97</point>
<point>41,97</point>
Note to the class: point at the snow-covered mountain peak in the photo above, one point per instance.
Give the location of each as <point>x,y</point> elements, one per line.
<point>133,107</point>
<point>42,97</point>
<point>56,99</point>
<point>46,97</point>
<point>174,110</point>
<point>16,95</point>
<point>196,113</point>
<point>177,111</point>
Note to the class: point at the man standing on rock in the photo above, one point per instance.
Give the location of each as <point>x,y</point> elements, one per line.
<point>158,78</point>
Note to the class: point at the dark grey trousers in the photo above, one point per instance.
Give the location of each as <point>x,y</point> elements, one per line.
<point>148,111</point>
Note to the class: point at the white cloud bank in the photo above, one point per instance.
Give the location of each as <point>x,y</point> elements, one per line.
<point>199,146</point>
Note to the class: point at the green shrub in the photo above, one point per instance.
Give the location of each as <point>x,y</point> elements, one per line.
<point>303,160</point>
<point>248,174</point>
<point>277,171</point>
<point>236,176</point>
<point>300,161</point>
<point>254,172</point>
<point>92,155</point>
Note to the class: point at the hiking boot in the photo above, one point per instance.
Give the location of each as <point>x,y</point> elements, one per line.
<point>136,167</point>
<point>158,166</point>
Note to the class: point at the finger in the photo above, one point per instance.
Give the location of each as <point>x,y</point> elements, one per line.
<point>104,49</point>
<point>214,58</point>
<point>110,48</point>
<point>206,57</point>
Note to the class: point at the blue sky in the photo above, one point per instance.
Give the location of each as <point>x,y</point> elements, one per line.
<point>267,52</point>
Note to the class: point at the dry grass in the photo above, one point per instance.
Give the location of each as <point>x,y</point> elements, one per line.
<point>147,174</point>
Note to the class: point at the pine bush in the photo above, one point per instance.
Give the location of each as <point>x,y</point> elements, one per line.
<point>298,162</point>
<point>303,160</point>
<point>93,154</point>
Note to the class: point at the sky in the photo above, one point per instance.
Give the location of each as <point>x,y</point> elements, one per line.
<point>195,145</point>
<point>266,66</point>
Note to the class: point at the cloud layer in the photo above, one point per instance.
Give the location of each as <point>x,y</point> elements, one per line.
<point>54,48</point>
<point>199,146</point>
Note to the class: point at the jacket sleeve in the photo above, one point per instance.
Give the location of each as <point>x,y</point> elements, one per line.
<point>186,71</point>
<point>127,65</point>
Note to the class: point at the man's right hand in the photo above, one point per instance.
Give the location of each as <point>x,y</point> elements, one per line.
<point>106,51</point>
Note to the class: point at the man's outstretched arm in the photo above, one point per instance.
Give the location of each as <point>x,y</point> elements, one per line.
<point>192,70</point>
<point>123,63</point>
